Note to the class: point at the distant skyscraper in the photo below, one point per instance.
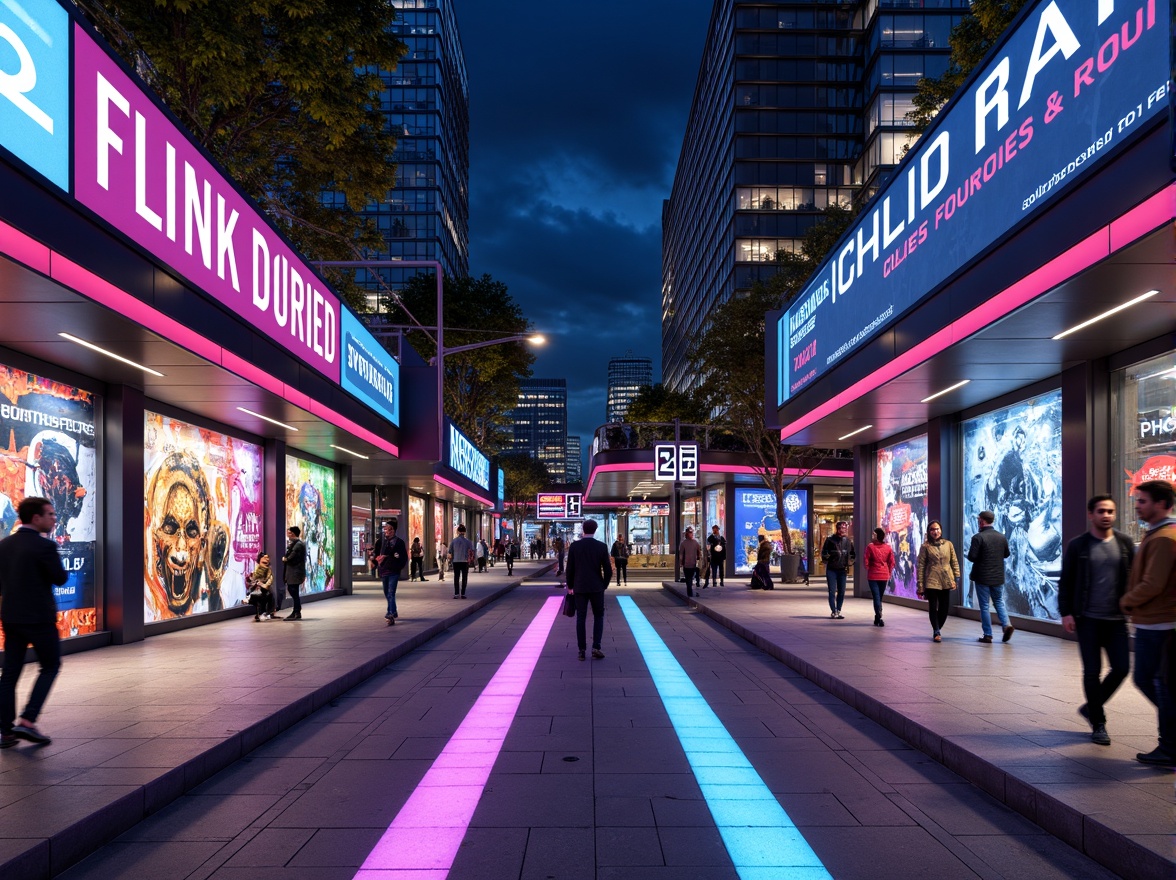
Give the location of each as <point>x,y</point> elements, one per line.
<point>798,105</point>
<point>626,376</point>
<point>575,467</point>
<point>541,424</point>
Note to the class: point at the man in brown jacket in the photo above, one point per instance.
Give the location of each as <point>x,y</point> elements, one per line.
<point>1150,602</point>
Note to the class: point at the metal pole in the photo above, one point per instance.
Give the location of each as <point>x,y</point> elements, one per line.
<point>675,507</point>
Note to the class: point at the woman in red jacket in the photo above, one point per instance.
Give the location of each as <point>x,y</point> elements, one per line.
<point>879,570</point>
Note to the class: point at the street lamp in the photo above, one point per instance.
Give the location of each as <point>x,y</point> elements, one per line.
<point>534,339</point>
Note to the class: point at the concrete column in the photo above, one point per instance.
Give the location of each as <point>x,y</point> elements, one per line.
<point>123,536</point>
<point>343,578</point>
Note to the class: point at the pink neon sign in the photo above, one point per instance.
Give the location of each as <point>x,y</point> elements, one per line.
<point>139,172</point>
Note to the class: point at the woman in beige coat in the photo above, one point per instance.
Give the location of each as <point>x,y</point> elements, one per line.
<point>937,570</point>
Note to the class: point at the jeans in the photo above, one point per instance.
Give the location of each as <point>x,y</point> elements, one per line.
<point>1153,657</point>
<point>47,645</point>
<point>510,565</point>
<point>835,580</point>
<point>715,574</point>
<point>461,575</point>
<point>582,602</point>
<point>877,590</point>
<point>622,569</point>
<point>691,575</point>
<point>391,582</point>
<point>1095,636</point>
<point>983,593</point>
<point>938,603</point>
<point>416,568</point>
<point>296,609</point>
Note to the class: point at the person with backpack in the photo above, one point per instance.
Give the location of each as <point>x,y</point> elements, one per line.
<point>391,558</point>
<point>416,559</point>
<point>620,557</point>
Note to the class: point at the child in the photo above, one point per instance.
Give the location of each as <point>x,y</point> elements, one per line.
<point>262,580</point>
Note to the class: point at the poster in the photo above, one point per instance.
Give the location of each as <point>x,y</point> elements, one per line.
<point>716,510</point>
<point>203,516</point>
<point>310,505</point>
<point>902,508</point>
<point>416,520</point>
<point>755,513</point>
<point>1013,467</point>
<point>439,523</point>
<point>49,450</point>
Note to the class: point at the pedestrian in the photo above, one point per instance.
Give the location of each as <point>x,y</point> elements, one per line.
<point>879,570</point>
<point>30,568</point>
<point>839,555</point>
<point>392,557</point>
<point>1150,602</point>
<point>294,570</point>
<point>689,555</point>
<point>589,573</point>
<point>416,561</point>
<point>509,551</point>
<point>482,554</point>
<point>716,549</point>
<point>620,558</point>
<point>261,589</point>
<point>1095,569</point>
<point>936,572</point>
<point>442,553</point>
<point>558,546</point>
<point>987,553</point>
<point>461,554</point>
<point>761,575</point>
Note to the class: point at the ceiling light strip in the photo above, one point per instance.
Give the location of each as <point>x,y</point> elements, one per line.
<point>110,354</point>
<point>1107,313</point>
<point>266,418</point>
<point>858,431</point>
<point>945,391</point>
<point>351,452</point>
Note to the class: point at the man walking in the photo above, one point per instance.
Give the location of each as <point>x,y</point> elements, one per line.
<point>589,572</point>
<point>461,551</point>
<point>1150,602</point>
<point>689,554</point>
<point>620,558</point>
<point>294,569</point>
<point>509,552</point>
<point>390,559</point>
<point>442,553</point>
<point>987,553</point>
<point>558,546</point>
<point>838,554</point>
<point>29,570</point>
<point>1095,569</point>
<point>716,548</point>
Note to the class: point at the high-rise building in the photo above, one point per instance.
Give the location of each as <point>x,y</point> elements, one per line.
<point>626,377</point>
<point>575,464</point>
<point>427,106</point>
<point>797,106</point>
<point>541,424</point>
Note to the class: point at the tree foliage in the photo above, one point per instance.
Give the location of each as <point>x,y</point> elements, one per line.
<point>657,403</point>
<point>970,41</point>
<point>285,94</point>
<point>481,386</point>
<point>526,477</point>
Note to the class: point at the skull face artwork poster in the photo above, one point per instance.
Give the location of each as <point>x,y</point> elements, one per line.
<point>201,517</point>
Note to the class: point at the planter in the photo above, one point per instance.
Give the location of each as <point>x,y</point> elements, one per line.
<point>789,566</point>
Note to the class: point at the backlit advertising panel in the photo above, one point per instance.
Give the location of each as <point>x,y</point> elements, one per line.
<point>34,86</point>
<point>464,457</point>
<point>551,505</point>
<point>1013,467</point>
<point>416,520</point>
<point>203,518</point>
<point>368,371</point>
<point>49,450</point>
<point>755,514</point>
<point>311,505</point>
<point>902,508</point>
<point>1073,81</point>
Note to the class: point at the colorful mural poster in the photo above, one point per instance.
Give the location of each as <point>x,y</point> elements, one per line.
<point>1013,467</point>
<point>416,520</point>
<point>439,533</point>
<point>203,514</point>
<point>310,505</point>
<point>48,438</point>
<point>902,508</point>
<point>755,514</point>
<point>716,510</point>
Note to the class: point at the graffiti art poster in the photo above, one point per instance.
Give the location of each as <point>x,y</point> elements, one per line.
<point>48,436</point>
<point>902,508</point>
<point>310,505</point>
<point>202,515</point>
<point>1013,467</point>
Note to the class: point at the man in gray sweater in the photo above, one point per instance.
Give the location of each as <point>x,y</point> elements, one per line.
<point>987,553</point>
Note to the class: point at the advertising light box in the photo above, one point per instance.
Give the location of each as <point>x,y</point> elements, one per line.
<point>551,505</point>
<point>368,371</point>
<point>310,505</point>
<point>464,457</point>
<point>755,515</point>
<point>902,508</point>
<point>1073,81</point>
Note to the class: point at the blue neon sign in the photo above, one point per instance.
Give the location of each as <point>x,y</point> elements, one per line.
<point>465,458</point>
<point>1074,81</point>
<point>369,372</point>
<point>34,85</point>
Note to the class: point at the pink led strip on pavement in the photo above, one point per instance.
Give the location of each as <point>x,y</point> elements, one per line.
<point>423,839</point>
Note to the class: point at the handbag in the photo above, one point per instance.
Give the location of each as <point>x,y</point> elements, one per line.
<point>569,605</point>
<point>255,595</point>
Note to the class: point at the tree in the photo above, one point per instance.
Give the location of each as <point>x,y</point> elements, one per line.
<point>481,386</point>
<point>526,477</point>
<point>656,403</point>
<point>970,41</point>
<point>285,95</point>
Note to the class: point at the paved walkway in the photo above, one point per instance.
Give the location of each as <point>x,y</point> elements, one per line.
<point>1001,715</point>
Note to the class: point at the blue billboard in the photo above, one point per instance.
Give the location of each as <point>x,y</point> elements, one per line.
<point>1073,81</point>
<point>755,515</point>
<point>464,457</point>
<point>369,372</point>
<point>34,86</point>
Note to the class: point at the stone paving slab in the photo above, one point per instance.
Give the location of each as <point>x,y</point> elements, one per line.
<point>136,726</point>
<point>1001,715</point>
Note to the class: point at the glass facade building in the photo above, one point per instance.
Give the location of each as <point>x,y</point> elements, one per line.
<point>575,462</point>
<point>798,106</point>
<point>541,424</point>
<point>626,377</point>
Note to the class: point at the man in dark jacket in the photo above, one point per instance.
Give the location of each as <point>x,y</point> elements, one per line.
<point>987,553</point>
<point>391,557</point>
<point>716,546</point>
<point>589,571</point>
<point>29,570</point>
<point>294,569</point>
<point>838,554</point>
<point>1094,579</point>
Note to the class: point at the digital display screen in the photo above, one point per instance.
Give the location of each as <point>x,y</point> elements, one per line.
<point>755,515</point>
<point>902,508</point>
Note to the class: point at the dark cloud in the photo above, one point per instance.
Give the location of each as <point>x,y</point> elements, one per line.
<point>577,116</point>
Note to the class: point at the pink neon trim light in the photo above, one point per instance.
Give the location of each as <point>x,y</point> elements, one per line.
<point>642,467</point>
<point>423,839</point>
<point>464,491</point>
<point>1140,220</point>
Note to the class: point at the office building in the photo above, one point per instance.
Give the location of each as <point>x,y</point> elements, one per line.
<point>541,424</point>
<point>797,106</point>
<point>575,464</point>
<point>626,377</point>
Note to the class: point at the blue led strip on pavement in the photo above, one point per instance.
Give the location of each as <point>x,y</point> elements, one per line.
<point>762,841</point>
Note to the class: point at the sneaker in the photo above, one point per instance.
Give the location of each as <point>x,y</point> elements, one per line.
<point>257,620</point>
<point>7,741</point>
<point>597,654</point>
<point>985,639</point>
<point>881,622</point>
<point>455,596</point>
<point>391,622</point>
<point>839,616</point>
<point>1100,737</point>
<point>937,638</point>
<point>31,734</point>
<point>1008,633</point>
<point>832,615</point>
<point>1157,757</point>
<point>581,655</point>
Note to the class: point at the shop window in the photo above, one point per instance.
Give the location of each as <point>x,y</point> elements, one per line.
<point>1143,442</point>
<point>311,505</point>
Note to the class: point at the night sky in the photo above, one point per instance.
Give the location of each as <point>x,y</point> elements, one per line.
<point>577,112</point>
